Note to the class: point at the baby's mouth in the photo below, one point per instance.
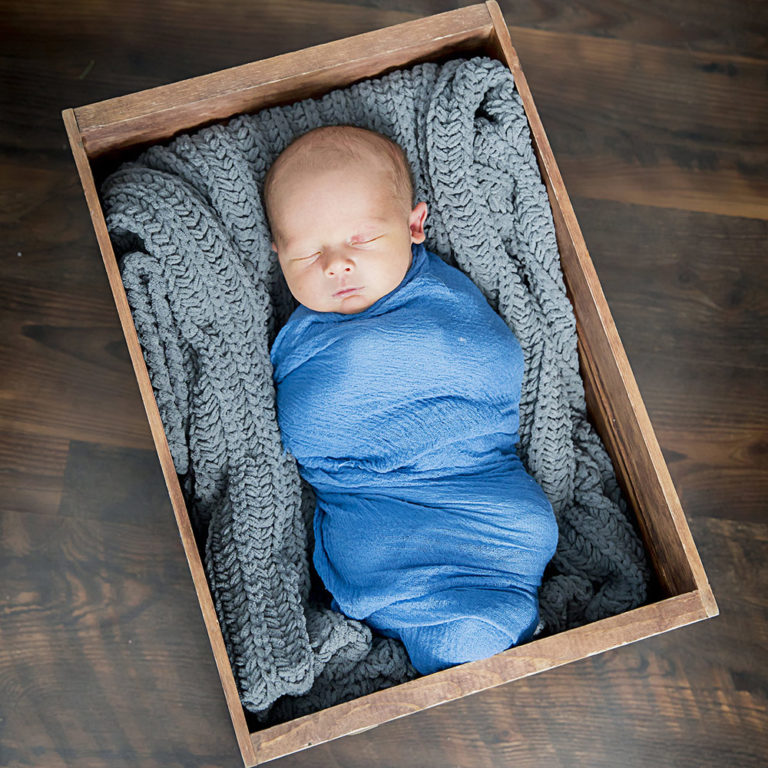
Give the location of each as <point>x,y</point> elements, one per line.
<point>345,292</point>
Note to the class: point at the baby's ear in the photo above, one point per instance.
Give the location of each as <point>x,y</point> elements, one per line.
<point>274,247</point>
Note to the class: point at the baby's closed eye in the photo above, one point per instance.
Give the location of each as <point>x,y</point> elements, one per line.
<point>358,240</point>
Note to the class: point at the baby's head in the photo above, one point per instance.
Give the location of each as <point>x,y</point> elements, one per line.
<point>338,200</point>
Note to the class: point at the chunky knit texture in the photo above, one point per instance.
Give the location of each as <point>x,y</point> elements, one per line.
<point>208,299</point>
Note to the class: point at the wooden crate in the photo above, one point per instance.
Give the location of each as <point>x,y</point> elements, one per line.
<point>102,134</point>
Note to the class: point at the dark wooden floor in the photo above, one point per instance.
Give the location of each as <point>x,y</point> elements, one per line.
<point>657,112</point>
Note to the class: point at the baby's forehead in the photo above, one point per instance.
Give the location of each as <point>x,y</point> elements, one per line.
<point>369,163</point>
<point>370,184</point>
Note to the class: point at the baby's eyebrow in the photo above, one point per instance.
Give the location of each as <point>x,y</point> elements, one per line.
<point>369,224</point>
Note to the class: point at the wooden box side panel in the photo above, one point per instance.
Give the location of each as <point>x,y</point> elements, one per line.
<point>367,712</point>
<point>160,440</point>
<point>157,114</point>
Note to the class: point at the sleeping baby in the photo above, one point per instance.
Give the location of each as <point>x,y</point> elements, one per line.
<point>398,392</point>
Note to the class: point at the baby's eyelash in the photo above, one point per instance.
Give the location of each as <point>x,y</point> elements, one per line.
<point>356,242</point>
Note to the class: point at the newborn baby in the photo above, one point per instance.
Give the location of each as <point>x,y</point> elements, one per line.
<point>398,392</point>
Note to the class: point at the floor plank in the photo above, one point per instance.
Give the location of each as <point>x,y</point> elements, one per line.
<point>671,128</point>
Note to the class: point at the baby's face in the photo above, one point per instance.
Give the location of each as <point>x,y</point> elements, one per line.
<point>343,241</point>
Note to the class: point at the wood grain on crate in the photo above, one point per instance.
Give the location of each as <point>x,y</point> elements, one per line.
<point>367,712</point>
<point>158,113</point>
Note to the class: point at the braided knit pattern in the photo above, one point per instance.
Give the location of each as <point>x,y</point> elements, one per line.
<point>207,298</point>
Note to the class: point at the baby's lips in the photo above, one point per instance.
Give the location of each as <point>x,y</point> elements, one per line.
<point>345,292</point>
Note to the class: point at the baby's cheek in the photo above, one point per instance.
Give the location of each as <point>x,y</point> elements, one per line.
<point>298,281</point>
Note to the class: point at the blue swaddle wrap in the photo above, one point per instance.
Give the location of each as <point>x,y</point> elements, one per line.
<point>404,419</point>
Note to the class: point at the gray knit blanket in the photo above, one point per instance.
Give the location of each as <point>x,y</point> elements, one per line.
<point>208,299</point>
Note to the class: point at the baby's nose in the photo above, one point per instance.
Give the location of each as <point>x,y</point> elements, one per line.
<point>337,264</point>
